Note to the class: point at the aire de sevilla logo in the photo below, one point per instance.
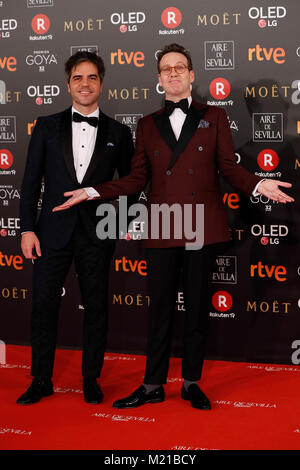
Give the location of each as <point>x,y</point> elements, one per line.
<point>222,301</point>
<point>268,159</point>
<point>219,88</point>
<point>40,24</point>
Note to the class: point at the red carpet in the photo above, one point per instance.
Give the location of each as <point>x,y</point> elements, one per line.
<point>255,407</point>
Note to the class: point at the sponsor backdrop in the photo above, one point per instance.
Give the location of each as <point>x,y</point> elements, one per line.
<point>246,58</point>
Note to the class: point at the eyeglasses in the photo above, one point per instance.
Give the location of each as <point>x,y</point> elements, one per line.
<point>177,68</point>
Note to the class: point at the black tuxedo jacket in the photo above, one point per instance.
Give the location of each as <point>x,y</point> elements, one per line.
<point>50,157</point>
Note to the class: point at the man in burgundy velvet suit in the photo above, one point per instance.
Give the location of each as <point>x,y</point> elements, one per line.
<point>181,148</point>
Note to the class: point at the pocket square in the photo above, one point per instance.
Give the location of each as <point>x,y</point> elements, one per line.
<point>110,144</point>
<point>203,124</point>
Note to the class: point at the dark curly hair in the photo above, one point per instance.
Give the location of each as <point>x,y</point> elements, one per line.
<point>85,56</point>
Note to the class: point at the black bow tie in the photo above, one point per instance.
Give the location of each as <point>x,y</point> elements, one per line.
<point>182,104</point>
<point>93,121</point>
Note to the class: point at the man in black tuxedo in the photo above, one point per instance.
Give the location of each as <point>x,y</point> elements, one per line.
<point>77,148</point>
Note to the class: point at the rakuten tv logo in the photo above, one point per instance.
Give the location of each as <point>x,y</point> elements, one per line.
<point>219,88</point>
<point>171,17</point>
<point>222,301</point>
<point>40,24</point>
<point>268,160</point>
<point>6,159</point>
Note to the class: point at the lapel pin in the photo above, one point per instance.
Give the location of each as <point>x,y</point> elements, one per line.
<point>110,144</point>
<point>203,124</point>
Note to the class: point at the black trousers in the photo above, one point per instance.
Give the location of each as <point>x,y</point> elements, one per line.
<point>92,264</point>
<point>164,267</point>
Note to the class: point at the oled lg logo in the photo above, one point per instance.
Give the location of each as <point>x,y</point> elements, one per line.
<point>6,27</point>
<point>43,94</point>
<point>220,89</point>
<point>171,18</point>
<point>9,226</point>
<point>269,234</point>
<point>128,21</point>
<point>267,16</point>
<point>40,25</point>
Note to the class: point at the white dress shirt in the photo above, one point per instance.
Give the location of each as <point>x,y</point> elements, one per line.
<point>83,143</point>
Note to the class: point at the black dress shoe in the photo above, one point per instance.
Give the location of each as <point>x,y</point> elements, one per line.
<point>92,392</point>
<point>197,398</point>
<point>140,397</point>
<point>39,388</point>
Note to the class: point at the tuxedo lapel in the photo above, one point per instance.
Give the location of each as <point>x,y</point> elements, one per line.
<point>189,127</point>
<point>100,147</point>
<point>164,127</point>
<point>66,142</point>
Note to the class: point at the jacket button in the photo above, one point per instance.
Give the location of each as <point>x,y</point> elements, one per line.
<point>192,194</point>
<point>168,172</point>
<point>156,153</point>
<point>200,148</point>
<point>190,171</point>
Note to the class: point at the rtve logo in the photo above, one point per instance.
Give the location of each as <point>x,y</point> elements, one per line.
<point>7,261</point>
<point>261,270</point>
<point>9,63</point>
<point>219,88</point>
<point>127,265</point>
<point>268,160</point>
<point>40,24</point>
<point>222,301</point>
<point>137,58</point>
<point>171,17</point>
<point>232,200</point>
<point>261,53</point>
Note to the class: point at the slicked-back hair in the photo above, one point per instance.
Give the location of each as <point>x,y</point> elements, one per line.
<point>174,48</point>
<point>85,56</point>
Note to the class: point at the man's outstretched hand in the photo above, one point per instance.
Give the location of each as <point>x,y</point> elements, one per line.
<point>77,196</point>
<point>270,189</point>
